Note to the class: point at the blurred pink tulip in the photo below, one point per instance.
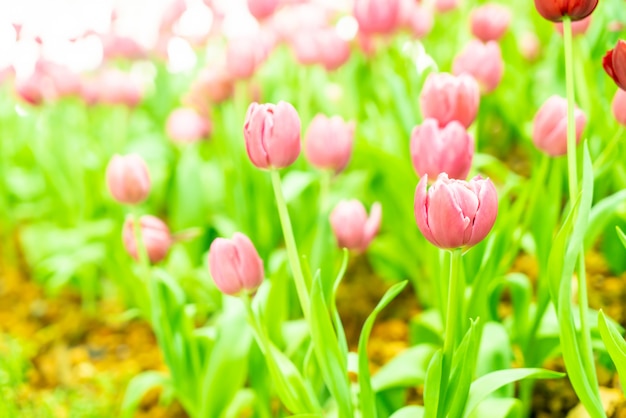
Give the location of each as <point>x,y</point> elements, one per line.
<point>321,46</point>
<point>155,235</point>
<point>300,18</point>
<point>353,229</point>
<point>243,56</point>
<point>481,61</point>
<point>377,16</point>
<point>490,21</point>
<point>420,20</point>
<point>128,179</point>
<point>530,46</point>
<point>579,27</point>
<point>118,88</point>
<point>618,106</point>
<point>213,84</point>
<point>272,134</point>
<point>443,6</point>
<point>445,97</point>
<point>436,150</point>
<point>550,126</point>
<point>455,213</point>
<point>116,46</point>
<point>262,9</point>
<point>185,125</point>
<point>235,265</point>
<point>329,142</point>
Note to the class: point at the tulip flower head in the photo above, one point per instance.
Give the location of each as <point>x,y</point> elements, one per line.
<point>185,125</point>
<point>377,16</point>
<point>235,265</point>
<point>155,235</point>
<point>483,61</point>
<point>455,213</point>
<point>272,134</point>
<point>490,21</point>
<point>614,63</point>
<point>353,229</point>
<point>445,98</point>
<point>556,10</point>
<point>262,8</point>
<point>618,106</point>
<point>436,150</point>
<point>128,179</point>
<point>329,142</point>
<point>550,126</point>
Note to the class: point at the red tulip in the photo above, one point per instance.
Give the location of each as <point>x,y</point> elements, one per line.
<point>614,63</point>
<point>556,10</point>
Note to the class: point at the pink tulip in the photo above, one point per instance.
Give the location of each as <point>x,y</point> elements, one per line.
<point>262,9</point>
<point>154,233</point>
<point>445,98</point>
<point>243,56</point>
<point>455,213</point>
<point>235,265</point>
<point>118,88</point>
<point>333,51</point>
<point>550,126</point>
<point>481,61</point>
<point>272,134</point>
<point>353,229</point>
<point>490,21</point>
<point>420,20</point>
<point>530,46</point>
<point>213,84</point>
<point>128,179</point>
<point>185,125</point>
<point>579,27</point>
<point>619,107</point>
<point>436,150</point>
<point>377,16</point>
<point>329,142</point>
<point>443,6</point>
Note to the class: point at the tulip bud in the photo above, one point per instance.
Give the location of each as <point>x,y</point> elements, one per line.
<point>436,150</point>
<point>579,27</point>
<point>445,98</point>
<point>262,8</point>
<point>550,126</point>
<point>420,20</point>
<point>614,63</point>
<point>481,61</point>
<point>377,16</point>
<point>272,134</point>
<point>243,57</point>
<point>556,10</point>
<point>619,106</point>
<point>455,213</point>
<point>185,125</point>
<point>328,142</point>
<point>128,179</point>
<point>490,21</point>
<point>235,265</point>
<point>352,227</point>
<point>155,235</point>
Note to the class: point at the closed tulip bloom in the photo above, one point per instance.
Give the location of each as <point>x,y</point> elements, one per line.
<point>272,134</point>
<point>262,8</point>
<point>235,265</point>
<point>353,229</point>
<point>377,16</point>
<point>333,50</point>
<point>420,20</point>
<point>128,179</point>
<point>550,126</point>
<point>455,213</point>
<point>436,150</point>
<point>578,28</point>
<point>619,106</point>
<point>490,21</point>
<point>243,56</point>
<point>329,142</point>
<point>556,10</point>
<point>614,63</point>
<point>445,98</point>
<point>185,125</point>
<point>481,61</point>
<point>154,233</point>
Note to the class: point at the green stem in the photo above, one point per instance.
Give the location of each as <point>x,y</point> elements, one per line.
<point>292,251</point>
<point>453,322</point>
<point>607,152</point>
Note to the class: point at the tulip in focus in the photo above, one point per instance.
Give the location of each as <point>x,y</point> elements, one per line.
<point>328,142</point>
<point>556,10</point>
<point>128,179</point>
<point>455,213</point>
<point>614,63</point>
<point>235,265</point>
<point>436,150</point>
<point>618,106</point>
<point>353,229</point>
<point>185,125</point>
<point>154,233</point>
<point>445,98</point>
<point>481,61</point>
<point>550,126</point>
<point>377,16</point>
<point>579,27</point>
<point>490,21</point>
<point>272,134</point>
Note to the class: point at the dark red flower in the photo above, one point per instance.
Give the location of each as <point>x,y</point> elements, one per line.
<point>614,63</point>
<point>556,10</point>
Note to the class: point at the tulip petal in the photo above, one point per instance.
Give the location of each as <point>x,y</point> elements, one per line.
<point>486,212</point>
<point>250,266</point>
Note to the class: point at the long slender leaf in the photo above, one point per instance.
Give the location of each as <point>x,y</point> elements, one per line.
<point>615,345</point>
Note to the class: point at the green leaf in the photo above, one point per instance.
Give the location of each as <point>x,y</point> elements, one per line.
<point>432,385</point>
<point>409,412</point>
<point>489,383</point>
<point>366,394</point>
<point>601,214</point>
<point>498,408</point>
<point>463,366</point>
<point>406,369</point>
<point>138,387</point>
<point>296,182</point>
<point>621,235</point>
<point>615,345</point>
